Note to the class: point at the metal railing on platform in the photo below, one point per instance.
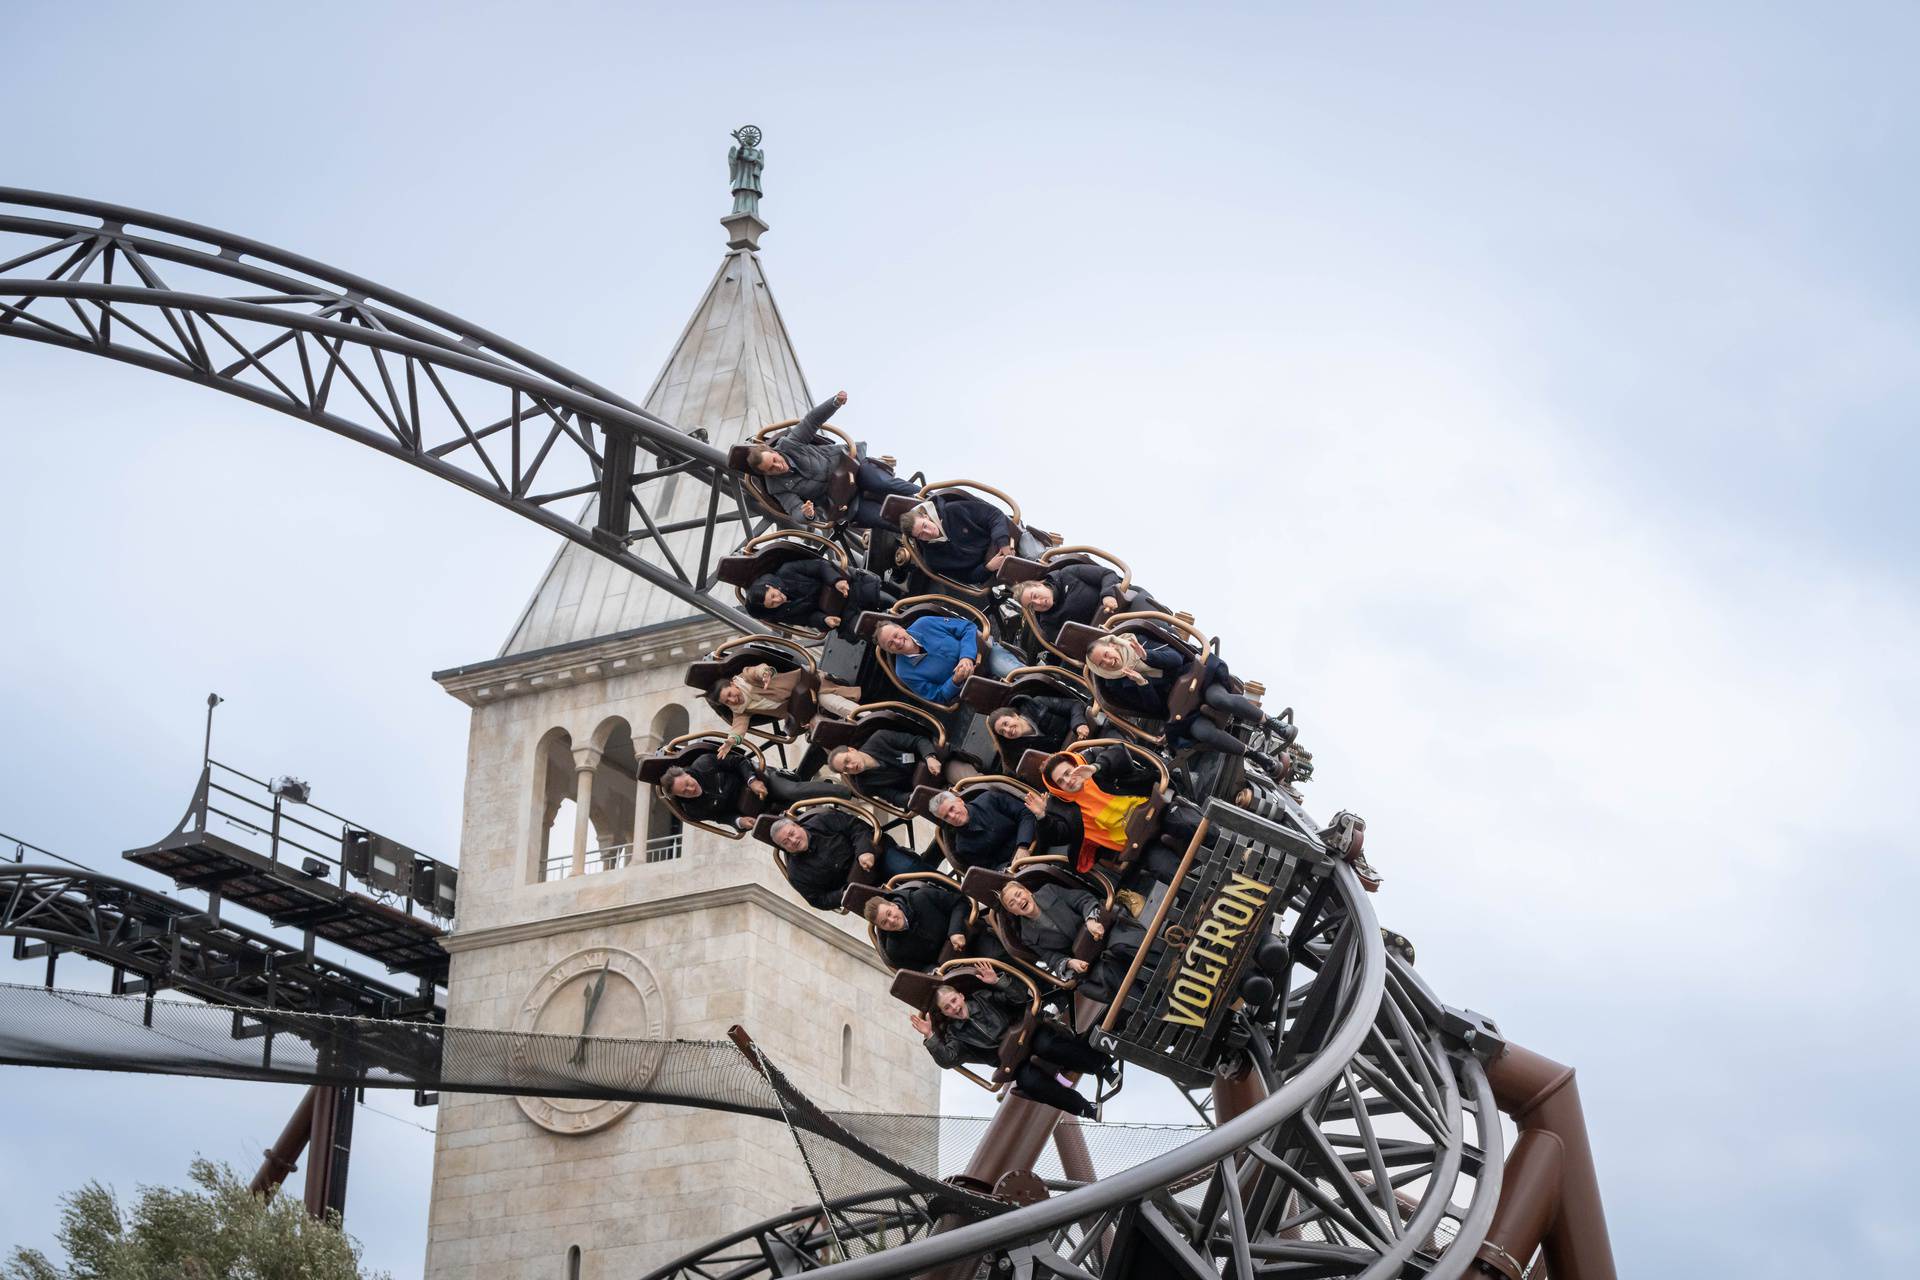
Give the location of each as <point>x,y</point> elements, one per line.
<point>317,841</point>
<point>613,857</point>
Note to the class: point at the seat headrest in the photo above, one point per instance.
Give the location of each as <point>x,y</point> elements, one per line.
<point>1076,638</point>
<point>739,571</point>
<point>854,900</point>
<point>915,988</point>
<point>652,768</point>
<point>1032,768</point>
<point>763,828</point>
<point>1014,569</point>
<point>921,803</point>
<point>737,457</point>
<point>984,694</point>
<point>869,621</point>
<point>897,505</point>
<point>829,735</point>
<point>703,675</point>
<point>983,885</point>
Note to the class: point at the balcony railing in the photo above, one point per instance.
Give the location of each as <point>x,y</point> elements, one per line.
<point>659,849</point>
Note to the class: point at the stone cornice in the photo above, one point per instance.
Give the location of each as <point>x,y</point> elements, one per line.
<point>668,644</point>
<point>626,913</point>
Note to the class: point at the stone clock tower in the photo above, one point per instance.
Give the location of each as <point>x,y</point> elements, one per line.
<point>583,904</point>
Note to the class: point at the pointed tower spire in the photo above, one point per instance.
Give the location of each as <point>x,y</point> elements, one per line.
<point>733,371</point>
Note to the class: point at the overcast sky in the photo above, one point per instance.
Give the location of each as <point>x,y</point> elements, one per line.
<point>1527,397</point>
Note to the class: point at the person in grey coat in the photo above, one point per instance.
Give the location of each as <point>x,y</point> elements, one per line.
<point>797,470</point>
<point>970,1029</point>
<point>1047,921</point>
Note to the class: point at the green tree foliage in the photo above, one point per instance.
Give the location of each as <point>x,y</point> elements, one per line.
<point>213,1229</point>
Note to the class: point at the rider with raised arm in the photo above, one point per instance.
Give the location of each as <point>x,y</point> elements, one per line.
<point>797,470</point>
<point>971,1028</point>
<point>1109,791</point>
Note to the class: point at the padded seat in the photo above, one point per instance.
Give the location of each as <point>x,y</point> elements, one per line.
<point>842,485</point>
<point>763,832</point>
<point>897,505</point>
<point>735,656</point>
<point>984,886</point>
<point>921,803</point>
<point>854,902</point>
<point>1015,570</point>
<point>906,613</point>
<point>916,987</point>
<point>871,718</point>
<point>1143,824</point>
<point>769,552</point>
<point>986,695</point>
<point>1076,639</point>
<point>683,751</point>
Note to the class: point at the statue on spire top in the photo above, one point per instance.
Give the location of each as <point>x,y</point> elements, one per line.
<point>745,159</point>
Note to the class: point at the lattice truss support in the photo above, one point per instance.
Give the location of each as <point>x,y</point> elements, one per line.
<point>1377,1175</point>
<point>154,943</point>
<point>381,369</point>
<point>1375,1151</point>
<point>808,1237</point>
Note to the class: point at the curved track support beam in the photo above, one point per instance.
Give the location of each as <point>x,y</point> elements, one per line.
<point>367,363</point>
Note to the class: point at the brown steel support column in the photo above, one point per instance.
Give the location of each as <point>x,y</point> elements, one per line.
<point>1541,1096</point>
<point>1235,1094</point>
<point>1529,1194</point>
<point>1014,1139</point>
<point>1075,1160</point>
<point>283,1157</point>
<point>320,1149</point>
<point>329,1144</point>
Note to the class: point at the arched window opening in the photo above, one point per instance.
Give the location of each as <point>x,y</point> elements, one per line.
<point>614,797</point>
<point>664,838</point>
<point>573,1263</point>
<point>554,811</point>
<point>846,1053</point>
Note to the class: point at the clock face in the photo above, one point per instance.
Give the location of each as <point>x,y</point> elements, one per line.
<point>599,993</point>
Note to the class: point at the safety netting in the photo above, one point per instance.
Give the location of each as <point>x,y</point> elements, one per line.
<point>845,1152</point>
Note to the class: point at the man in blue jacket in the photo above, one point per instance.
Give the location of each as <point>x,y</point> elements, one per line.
<point>934,656</point>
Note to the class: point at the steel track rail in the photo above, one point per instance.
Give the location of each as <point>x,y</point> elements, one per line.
<point>589,408</point>
<point>228,259</point>
<point>1228,1140</point>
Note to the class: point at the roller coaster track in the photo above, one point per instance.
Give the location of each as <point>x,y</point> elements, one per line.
<point>1363,1139</point>
<point>1375,1152</point>
<point>377,367</point>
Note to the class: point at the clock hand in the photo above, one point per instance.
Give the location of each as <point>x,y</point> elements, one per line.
<point>592,996</point>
